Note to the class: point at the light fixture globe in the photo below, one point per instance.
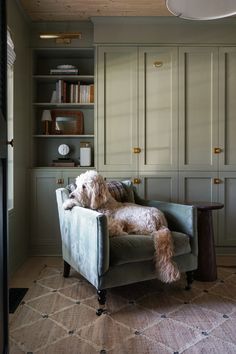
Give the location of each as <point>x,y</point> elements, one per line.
<point>202,9</point>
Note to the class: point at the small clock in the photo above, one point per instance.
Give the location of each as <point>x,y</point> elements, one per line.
<point>63,149</point>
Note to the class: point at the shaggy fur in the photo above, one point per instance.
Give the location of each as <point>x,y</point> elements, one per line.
<point>127,218</point>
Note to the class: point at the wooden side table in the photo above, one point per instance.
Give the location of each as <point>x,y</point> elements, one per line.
<point>207,270</point>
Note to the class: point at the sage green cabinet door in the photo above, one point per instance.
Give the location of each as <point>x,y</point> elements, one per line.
<point>45,238</point>
<point>45,231</point>
<point>117,108</point>
<point>159,186</point>
<point>158,116</point>
<point>227,215</point>
<point>227,109</point>
<point>197,186</point>
<point>200,187</point>
<point>198,108</point>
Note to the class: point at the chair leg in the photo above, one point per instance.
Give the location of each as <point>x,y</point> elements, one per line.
<point>189,276</point>
<point>66,271</point>
<point>102,301</point>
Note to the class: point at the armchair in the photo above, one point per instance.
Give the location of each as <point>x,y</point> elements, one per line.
<point>109,262</point>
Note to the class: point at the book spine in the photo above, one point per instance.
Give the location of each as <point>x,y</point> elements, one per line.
<point>91,90</point>
<point>64,92</point>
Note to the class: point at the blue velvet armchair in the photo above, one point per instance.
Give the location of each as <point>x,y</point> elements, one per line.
<point>109,262</point>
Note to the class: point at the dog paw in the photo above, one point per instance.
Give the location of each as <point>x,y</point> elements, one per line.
<point>68,204</point>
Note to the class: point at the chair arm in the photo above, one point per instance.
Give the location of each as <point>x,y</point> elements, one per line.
<point>85,239</point>
<point>180,217</point>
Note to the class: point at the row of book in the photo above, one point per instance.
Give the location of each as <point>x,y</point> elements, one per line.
<point>67,92</point>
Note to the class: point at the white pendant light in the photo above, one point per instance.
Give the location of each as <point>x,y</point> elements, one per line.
<point>202,9</point>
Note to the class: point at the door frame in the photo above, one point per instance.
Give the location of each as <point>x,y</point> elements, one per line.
<point>3,183</point>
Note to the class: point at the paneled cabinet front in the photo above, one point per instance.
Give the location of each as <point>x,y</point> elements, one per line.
<point>158,105</point>
<point>227,109</point>
<point>198,108</point>
<point>117,108</point>
<point>137,108</point>
<point>45,231</point>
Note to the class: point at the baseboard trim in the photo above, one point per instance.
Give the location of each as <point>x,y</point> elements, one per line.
<point>45,250</point>
<point>224,260</point>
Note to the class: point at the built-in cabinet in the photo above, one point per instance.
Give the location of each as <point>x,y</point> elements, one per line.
<point>165,118</point>
<point>166,115</point>
<point>60,93</point>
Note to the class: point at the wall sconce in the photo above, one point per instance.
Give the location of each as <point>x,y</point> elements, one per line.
<point>61,38</point>
<point>46,117</point>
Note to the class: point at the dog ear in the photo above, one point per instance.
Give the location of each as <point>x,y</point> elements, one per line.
<point>99,194</point>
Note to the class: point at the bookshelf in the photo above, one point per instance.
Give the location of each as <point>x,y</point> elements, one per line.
<point>67,97</point>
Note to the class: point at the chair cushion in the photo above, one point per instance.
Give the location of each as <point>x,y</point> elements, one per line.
<point>136,248</point>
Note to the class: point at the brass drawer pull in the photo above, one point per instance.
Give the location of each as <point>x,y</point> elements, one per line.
<point>217,181</point>
<point>137,180</point>
<point>136,150</point>
<point>60,181</point>
<point>217,150</point>
<point>157,64</point>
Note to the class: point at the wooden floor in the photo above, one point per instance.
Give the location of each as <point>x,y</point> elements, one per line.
<point>29,271</point>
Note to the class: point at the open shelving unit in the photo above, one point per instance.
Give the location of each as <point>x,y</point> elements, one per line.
<point>45,147</point>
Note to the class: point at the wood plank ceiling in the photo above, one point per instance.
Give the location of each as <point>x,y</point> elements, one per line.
<point>74,10</point>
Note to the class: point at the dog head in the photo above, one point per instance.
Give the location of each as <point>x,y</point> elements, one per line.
<point>91,191</point>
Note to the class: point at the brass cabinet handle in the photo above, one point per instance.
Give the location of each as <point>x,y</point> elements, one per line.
<point>136,150</point>
<point>60,181</point>
<point>217,150</point>
<point>137,181</point>
<point>217,181</point>
<point>157,64</point>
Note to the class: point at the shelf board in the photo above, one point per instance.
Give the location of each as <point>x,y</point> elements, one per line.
<point>63,136</point>
<point>87,78</point>
<point>50,104</point>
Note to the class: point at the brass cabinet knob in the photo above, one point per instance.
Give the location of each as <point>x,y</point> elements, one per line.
<point>217,181</point>
<point>11,142</point>
<point>217,150</point>
<point>60,181</point>
<point>136,150</point>
<point>157,64</point>
<point>137,181</point>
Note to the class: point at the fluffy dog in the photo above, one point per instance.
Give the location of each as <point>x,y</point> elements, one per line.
<point>127,218</point>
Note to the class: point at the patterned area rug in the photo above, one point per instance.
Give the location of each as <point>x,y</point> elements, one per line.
<point>58,316</point>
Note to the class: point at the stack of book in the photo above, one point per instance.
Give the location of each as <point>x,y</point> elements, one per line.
<point>63,163</point>
<point>64,70</point>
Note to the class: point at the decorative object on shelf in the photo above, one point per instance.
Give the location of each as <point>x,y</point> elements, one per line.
<point>69,122</point>
<point>85,154</point>
<point>54,97</point>
<point>65,69</point>
<point>61,38</point>
<point>46,118</point>
<point>63,150</point>
<point>201,9</point>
